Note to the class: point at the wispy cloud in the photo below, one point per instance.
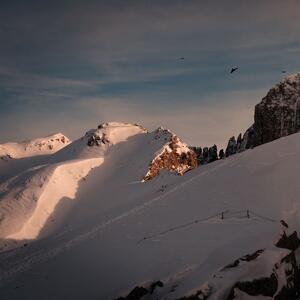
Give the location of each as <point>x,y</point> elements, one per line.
<point>69,64</point>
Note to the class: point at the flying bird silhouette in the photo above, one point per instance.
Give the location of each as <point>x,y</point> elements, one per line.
<point>233,70</point>
<point>283,71</point>
<point>284,224</point>
<point>181,58</point>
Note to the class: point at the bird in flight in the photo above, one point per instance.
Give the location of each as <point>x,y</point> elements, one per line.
<point>283,71</point>
<point>233,70</point>
<point>284,224</point>
<point>181,58</point>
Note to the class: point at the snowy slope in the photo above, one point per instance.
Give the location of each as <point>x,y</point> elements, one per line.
<point>119,232</point>
<point>39,146</point>
<point>28,199</point>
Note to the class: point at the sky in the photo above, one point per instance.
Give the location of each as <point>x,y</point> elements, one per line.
<point>67,66</point>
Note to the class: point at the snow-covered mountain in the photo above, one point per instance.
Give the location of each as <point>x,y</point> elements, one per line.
<point>39,146</point>
<point>29,198</point>
<point>85,225</point>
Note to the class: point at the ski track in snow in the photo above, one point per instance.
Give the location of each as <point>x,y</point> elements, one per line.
<point>25,262</point>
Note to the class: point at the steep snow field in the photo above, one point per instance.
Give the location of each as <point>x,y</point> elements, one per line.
<point>119,232</point>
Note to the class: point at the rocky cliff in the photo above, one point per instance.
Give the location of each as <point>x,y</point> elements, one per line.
<point>277,115</point>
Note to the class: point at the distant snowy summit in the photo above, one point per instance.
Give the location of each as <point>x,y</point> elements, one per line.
<point>39,146</point>
<point>96,142</point>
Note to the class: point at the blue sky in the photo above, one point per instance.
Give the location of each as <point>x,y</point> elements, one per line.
<point>69,65</point>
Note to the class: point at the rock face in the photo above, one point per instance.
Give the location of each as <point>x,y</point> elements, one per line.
<point>231,147</point>
<point>207,155</point>
<point>175,156</point>
<point>277,115</point>
<point>249,139</point>
<point>212,153</point>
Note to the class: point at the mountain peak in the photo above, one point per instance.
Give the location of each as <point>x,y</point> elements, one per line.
<point>115,132</point>
<point>95,142</point>
<point>38,146</point>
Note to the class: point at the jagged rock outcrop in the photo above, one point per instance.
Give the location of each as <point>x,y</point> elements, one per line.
<point>204,155</point>
<point>239,143</point>
<point>199,155</point>
<point>278,114</point>
<point>212,154</point>
<point>96,138</point>
<point>221,154</point>
<point>175,156</point>
<point>249,139</point>
<point>207,155</point>
<point>231,147</point>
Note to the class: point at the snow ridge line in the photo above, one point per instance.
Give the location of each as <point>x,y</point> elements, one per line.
<point>40,255</point>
